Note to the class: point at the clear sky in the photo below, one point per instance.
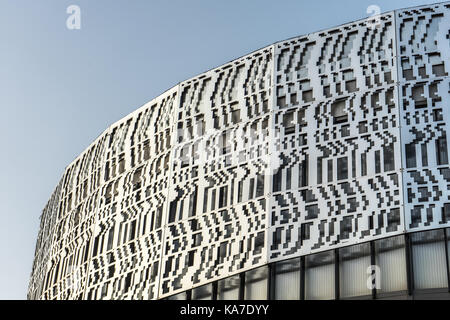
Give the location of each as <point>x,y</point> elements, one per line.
<point>61,88</point>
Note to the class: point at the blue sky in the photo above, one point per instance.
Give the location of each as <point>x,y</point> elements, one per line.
<point>60,88</point>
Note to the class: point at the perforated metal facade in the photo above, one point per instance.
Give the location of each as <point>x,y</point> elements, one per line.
<point>314,143</point>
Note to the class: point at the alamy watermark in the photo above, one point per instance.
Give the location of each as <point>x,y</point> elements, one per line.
<point>230,148</point>
<point>375,14</point>
<point>73,22</point>
<point>374,279</point>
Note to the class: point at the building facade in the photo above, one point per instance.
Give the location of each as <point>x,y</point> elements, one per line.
<point>314,168</point>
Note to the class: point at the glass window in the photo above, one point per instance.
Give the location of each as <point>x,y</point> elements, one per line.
<point>312,211</point>
<point>236,116</point>
<point>346,227</point>
<point>319,170</point>
<point>441,151</point>
<point>390,257</point>
<point>388,155</point>
<point>228,289</point>
<point>319,276</point>
<point>410,155</point>
<point>377,162</point>
<point>202,293</point>
<point>423,149</point>
<point>448,246</point>
<point>437,115</point>
<point>256,284</point>
<point>446,213</point>
<point>338,111</point>
<point>418,96</point>
<point>288,122</point>
<point>303,173</point>
<point>287,280</point>
<point>223,195</point>
<point>179,296</point>
<point>353,264</point>
<point>342,168</point>
<point>260,185</point>
<point>363,164</point>
<point>330,170</point>
<point>429,260</point>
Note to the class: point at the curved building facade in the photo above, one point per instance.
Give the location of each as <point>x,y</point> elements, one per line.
<point>314,168</point>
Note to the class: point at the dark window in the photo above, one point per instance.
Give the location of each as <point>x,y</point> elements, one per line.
<point>439,70</point>
<point>172,211</point>
<point>222,253</point>
<point>441,151</point>
<point>260,186</point>
<point>437,115</point>
<point>342,168</point>
<point>259,241</point>
<point>281,101</point>
<point>110,239</point>
<point>128,281</point>
<point>312,212</point>
<point>288,123</point>
<point>352,205</point>
<point>236,116</point>
<point>240,187</point>
<point>446,213</point>
<point>423,194</point>
<point>225,144</point>
<point>346,227</point>
<point>330,170</point>
<point>416,215</point>
<point>411,155</point>
<point>388,155</point>
<point>184,157</point>
<point>305,231</point>
<point>424,151</point>
<point>377,162</point>
<point>338,112</point>
<point>350,86</point>
<point>393,220</point>
<point>362,127</point>
<point>319,170</point>
<point>193,203</point>
<point>363,164</point>
<point>418,96</point>
<point>223,194</point>
<point>277,237</point>
<point>307,96</point>
<point>345,131</point>
<point>303,173</point>
<point>288,178</point>
<point>213,200</point>
<point>294,99</point>
<point>154,272</point>
<point>251,188</point>
<point>190,258</point>
<point>353,163</point>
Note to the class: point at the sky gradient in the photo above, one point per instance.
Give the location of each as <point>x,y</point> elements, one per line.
<point>61,88</point>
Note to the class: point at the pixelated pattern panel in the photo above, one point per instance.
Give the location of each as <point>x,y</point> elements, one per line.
<point>216,222</point>
<point>337,131</point>
<point>310,144</point>
<point>106,216</point>
<point>424,65</point>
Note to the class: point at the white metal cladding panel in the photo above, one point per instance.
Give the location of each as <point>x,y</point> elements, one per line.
<point>216,221</point>
<point>107,212</point>
<point>353,68</point>
<point>424,64</point>
<point>127,243</point>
